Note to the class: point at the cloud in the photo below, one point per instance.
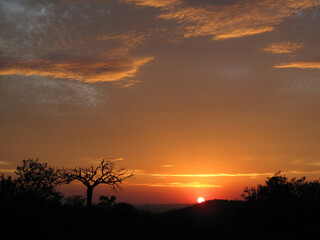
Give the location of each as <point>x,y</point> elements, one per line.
<point>68,39</point>
<point>86,70</point>
<point>4,163</point>
<point>126,42</point>
<point>243,33</point>
<point>155,3</point>
<point>7,170</point>
<point>313,164</point>
<point>166,165</point>
<point>210,175</point>
<point>283,47</point>
<point>50,96</point>
<point>223,21</point>
<point>177,185</point>
<point>300,65</point>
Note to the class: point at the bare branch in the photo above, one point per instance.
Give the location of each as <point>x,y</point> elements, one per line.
<point>105,173</point>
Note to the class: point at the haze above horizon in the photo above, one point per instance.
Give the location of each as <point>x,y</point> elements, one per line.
<point>200,98</point>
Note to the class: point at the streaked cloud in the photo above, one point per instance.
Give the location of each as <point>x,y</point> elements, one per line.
<point>52,97</point>
<point>283,47</point>
<point>300,65</point>
<point>210,175</point>
<point>233,20</point>
<point>7,170</point>
<point>83,70</point>
<point>69,40</point>
<point>4,163</point>
<point>177,185</point>
<point>313,164</point>
<point>252,175</point>
<point>154,3</point>
<point>98,159</point>
<point>123,43</point>
<point>166,165</point>
<point>242,33</point>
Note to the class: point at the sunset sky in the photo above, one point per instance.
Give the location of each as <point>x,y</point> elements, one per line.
<point>199,97</point>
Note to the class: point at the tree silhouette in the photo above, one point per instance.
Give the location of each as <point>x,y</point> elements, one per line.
<point>38,180</point>
<point>91,177</point>
<point>278,190</point>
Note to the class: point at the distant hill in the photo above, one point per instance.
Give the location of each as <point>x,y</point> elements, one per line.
<point>160,208</point>
<point>214,219</point>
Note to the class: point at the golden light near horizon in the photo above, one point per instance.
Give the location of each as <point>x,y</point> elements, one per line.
<point>200,200</point>
<point>199,98</point>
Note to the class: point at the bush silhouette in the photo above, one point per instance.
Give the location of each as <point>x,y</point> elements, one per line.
<point>76,201</point>
<point>281,208</point>
<point>279,190</point>
<point>38,180</point>
<point>105,201</point>
<point>35,181</point>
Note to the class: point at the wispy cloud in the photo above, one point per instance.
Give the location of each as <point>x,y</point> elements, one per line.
<point>165,175</point>
<point>300,65</point>
<point>7,170</point>
<point>166,165</point>
<point>62,40</point>
<point>177,185</point>
<point>242,33</point>
<point>155,3</point>
<point>97,160</point>
<point>123,43</point>
<point>86,70</point>
<point>223,21</point>
<point>209,175</point>
<point>313,164</point>
<point>4,163</point>
<point>283,47</point>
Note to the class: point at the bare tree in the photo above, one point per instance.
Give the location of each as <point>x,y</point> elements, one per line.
<point>91,177</point>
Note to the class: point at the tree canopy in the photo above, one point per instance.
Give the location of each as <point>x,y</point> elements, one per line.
<point>104,173</point>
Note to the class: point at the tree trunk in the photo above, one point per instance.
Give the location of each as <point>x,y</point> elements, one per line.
<point>89,196</point>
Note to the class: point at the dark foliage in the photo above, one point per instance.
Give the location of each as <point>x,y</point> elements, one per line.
<point>35,182</point>
<point>76,201</point>
<point>280,209</point>
<point>278,190</point>
<point>105,201</point>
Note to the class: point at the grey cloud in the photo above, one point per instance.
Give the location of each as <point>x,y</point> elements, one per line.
<point>50,96</point>
<point>61,39</point>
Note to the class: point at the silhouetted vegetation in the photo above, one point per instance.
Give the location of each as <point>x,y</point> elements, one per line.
<point>31,206</point>
<point>91,177</point>
<point>35,181</point>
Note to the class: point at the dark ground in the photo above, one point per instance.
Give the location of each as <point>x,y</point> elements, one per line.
<point>216,219</point>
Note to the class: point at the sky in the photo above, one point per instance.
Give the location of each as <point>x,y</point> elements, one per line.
<point>198,97</point>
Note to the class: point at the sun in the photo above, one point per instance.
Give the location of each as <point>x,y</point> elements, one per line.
<point>200,200</point>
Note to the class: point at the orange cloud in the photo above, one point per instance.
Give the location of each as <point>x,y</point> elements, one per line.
<point>211,175</point>
<point>283,47</point>
<point>243,33</point>
<point>7,170</point>
<point>166,165</point>
<point>165,175</point>
<point>300,65</point>
<point>177,185</point>
<point>126,42</point>
<point>243,18</point>
<point>154,3</point>
<point>87,71</point>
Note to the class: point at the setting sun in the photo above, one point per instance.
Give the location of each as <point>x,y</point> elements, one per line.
<point>200,200</point>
